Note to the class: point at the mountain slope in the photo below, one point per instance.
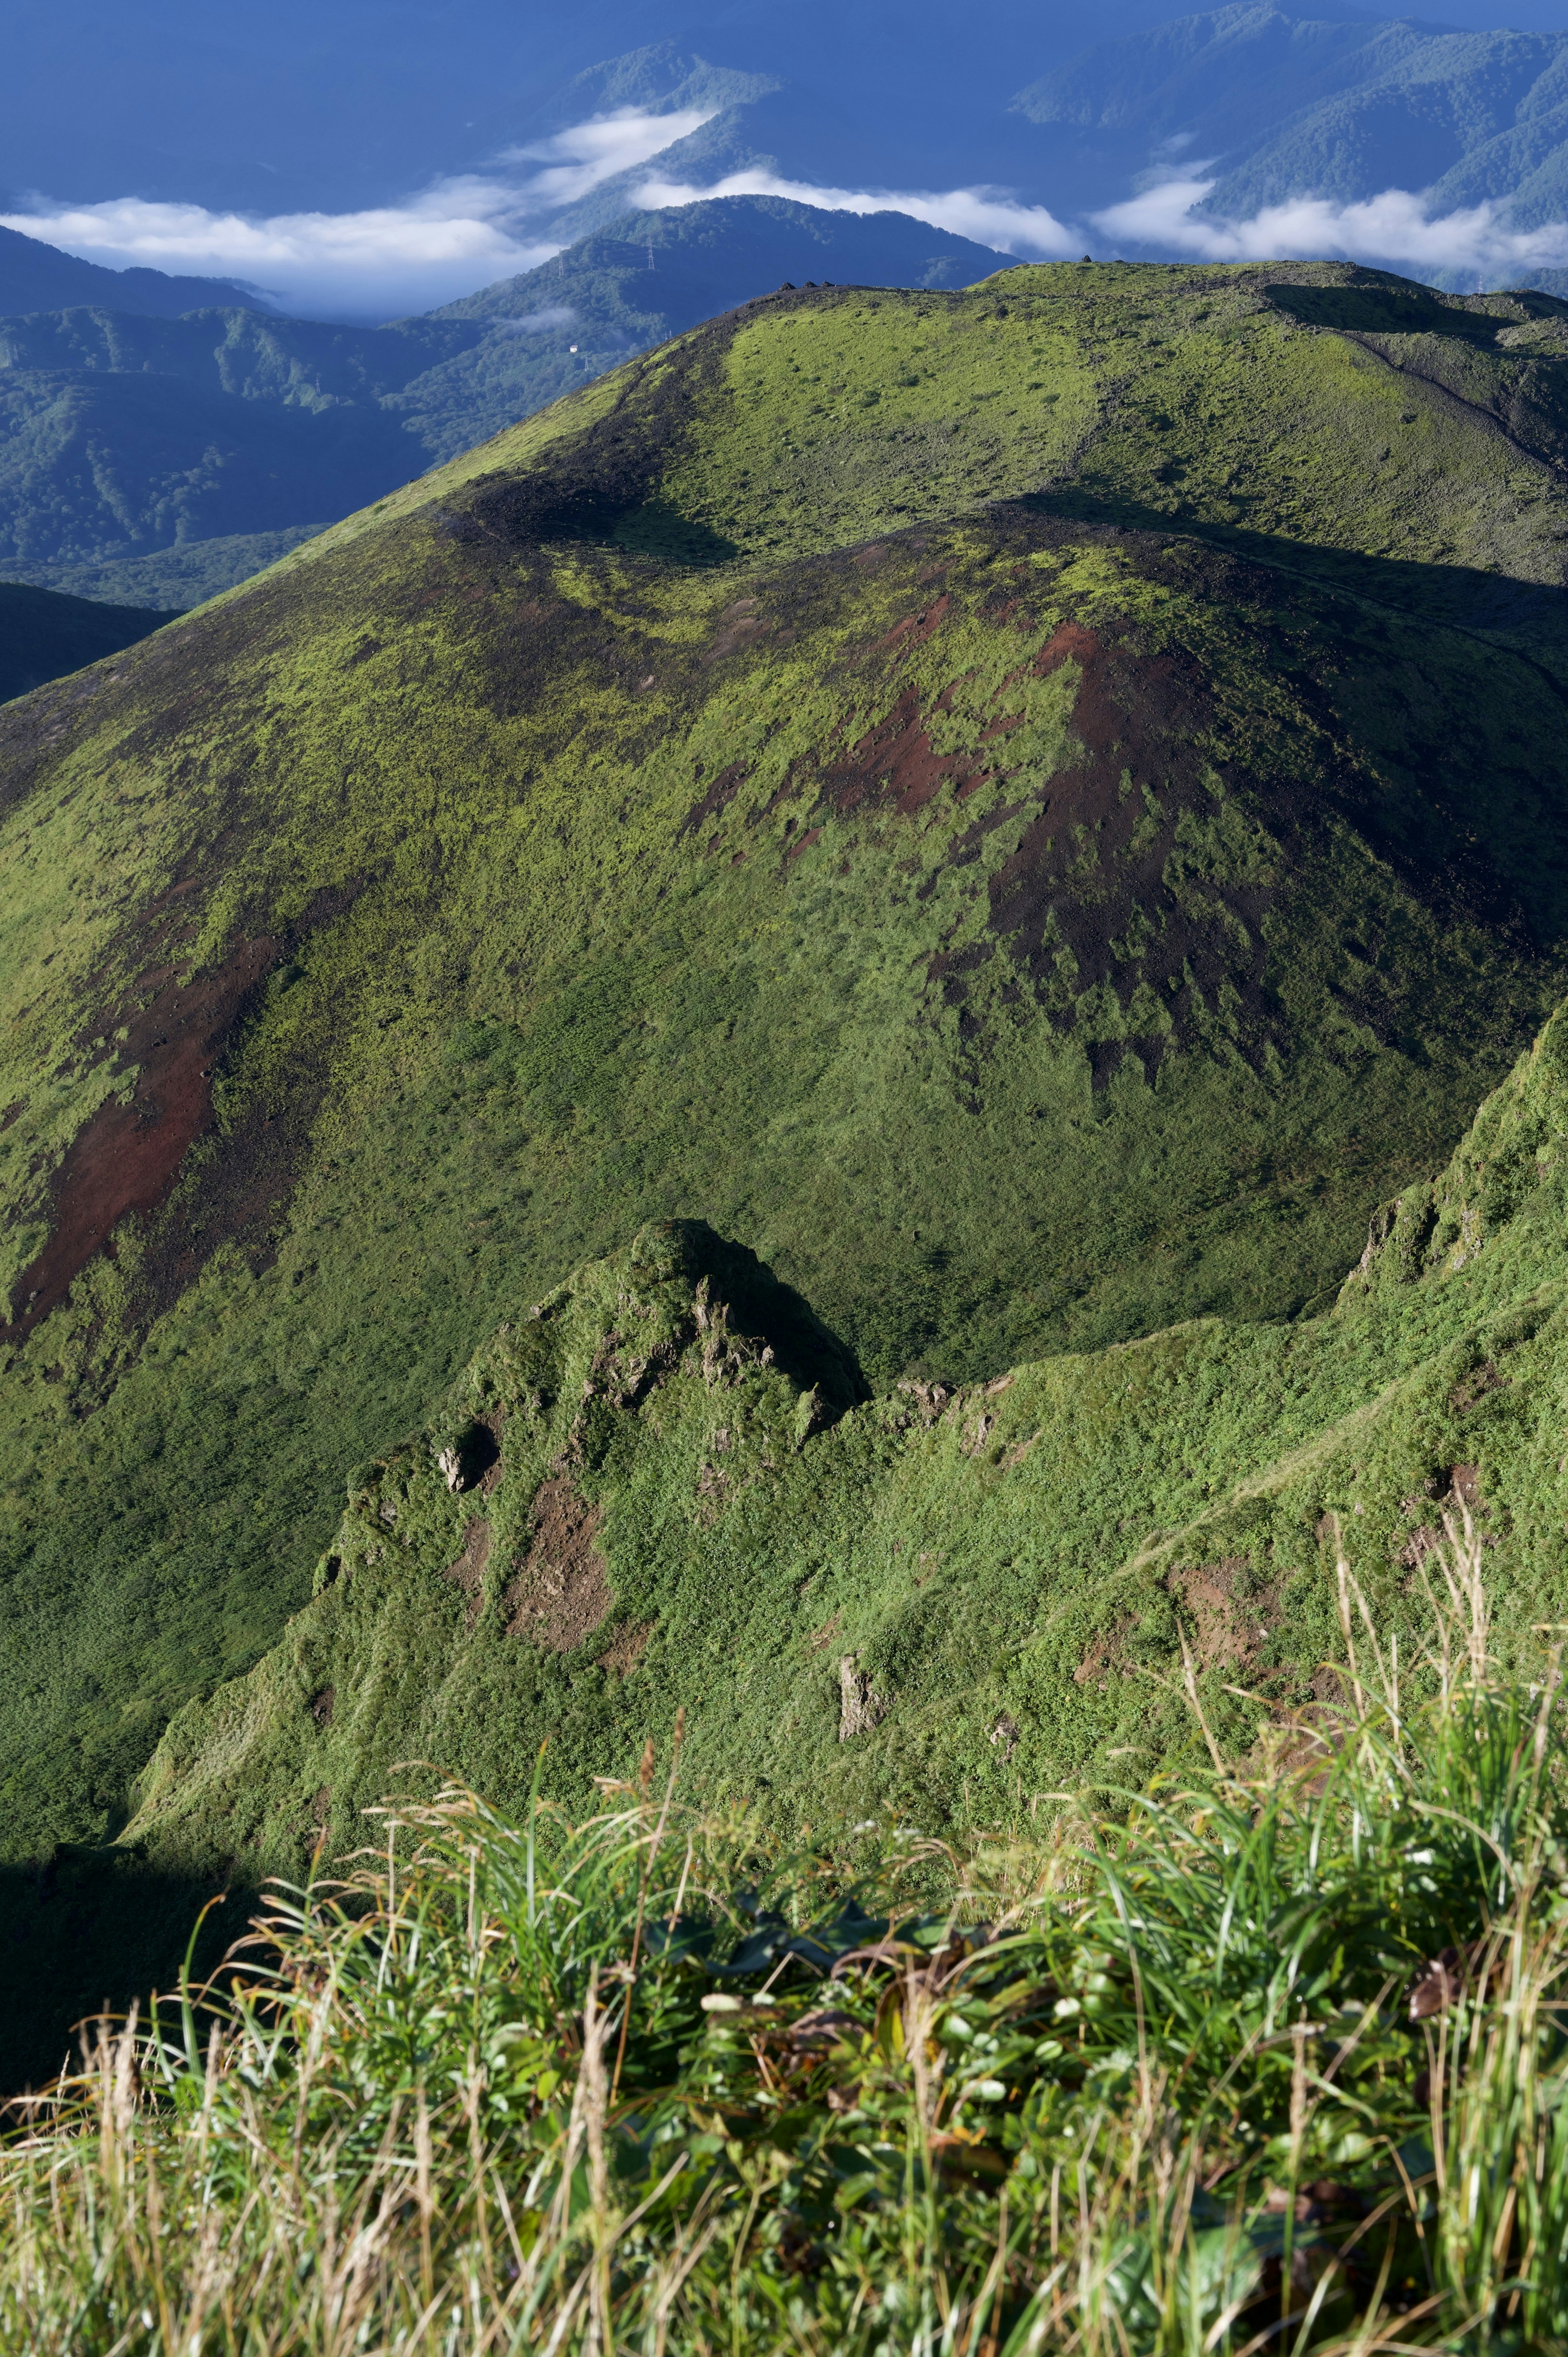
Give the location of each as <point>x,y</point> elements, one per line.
<point>1268,103</point>
<point>658,1489</point>
<point>39,277</point>
<point>1033,811</point>
<point>42,636</point>
<point>131,441</point>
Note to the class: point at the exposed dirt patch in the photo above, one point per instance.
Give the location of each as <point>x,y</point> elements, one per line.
<point>824,1637</point>
<point>561,1593</point>
<point>915,629</point>
<point>1107,1656</point>
<point>1454,1499</point>
<point>1227,1620</point>
<point>1093,870</point>
<point>627,1648</point>
<point>321,1705</point>
<point>717,799</point>
<point>467,1573</point>
<point>127,1157</point>
<point>1474,1386</point>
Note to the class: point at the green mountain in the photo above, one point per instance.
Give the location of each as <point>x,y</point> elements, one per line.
<point>167,460</point>
<point>1033,813</point>
<point>1269,103</point>
<point>43,636</point>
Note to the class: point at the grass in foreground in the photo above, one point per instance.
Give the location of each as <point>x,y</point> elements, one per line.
<point>1274,2061</point>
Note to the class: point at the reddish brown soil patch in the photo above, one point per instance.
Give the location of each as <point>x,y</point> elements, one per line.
<point>1091,870</point>
<point>126,1157</point>
<point>561,1594</point>
<point>915,629</point>
<point>1106,1653</point>
<point>717,799</point>
<point>468,1572</point>
<point>321,1705</point>
<point>1091,866</point>
<point>627,1648</point>
<point>1225,1630</point>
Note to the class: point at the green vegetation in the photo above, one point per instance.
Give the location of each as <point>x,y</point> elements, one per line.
<point>657,1489</point>
<point>1270,2053</point>
<point>1034,812</point>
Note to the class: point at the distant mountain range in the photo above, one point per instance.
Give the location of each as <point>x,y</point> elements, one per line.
<point>39,277</point>
<point>1280,102</point>
<point>158,461</point>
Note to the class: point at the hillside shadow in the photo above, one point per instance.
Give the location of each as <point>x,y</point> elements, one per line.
<point>762,1305</point>
<point>1462,782</point>
<point>92,1930</point>
<point>1390,310</point>
<point>1530,615</point>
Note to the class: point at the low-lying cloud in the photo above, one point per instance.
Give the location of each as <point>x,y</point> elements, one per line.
<point>468,230</point>
<point>440,243</point>
<point>392,259</point>
<point>1395,227</point>
<point>581,159</point>
<point>537,323</point>
<point>987,215</point>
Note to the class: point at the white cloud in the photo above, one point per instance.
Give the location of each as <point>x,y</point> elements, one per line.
<point>1394,227</point>
<point>983,214</point>
<point>538,323</point>
<point>394,258</point>
<point>583,159</point>
<point>442,242</point>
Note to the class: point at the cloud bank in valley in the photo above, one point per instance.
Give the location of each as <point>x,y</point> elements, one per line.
<point>987,215</point>
<point>442,243</point>
<point>465,231</point>
<point>1394,228</point>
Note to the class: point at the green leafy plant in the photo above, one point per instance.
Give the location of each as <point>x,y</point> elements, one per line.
<point>1276,2059</point>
